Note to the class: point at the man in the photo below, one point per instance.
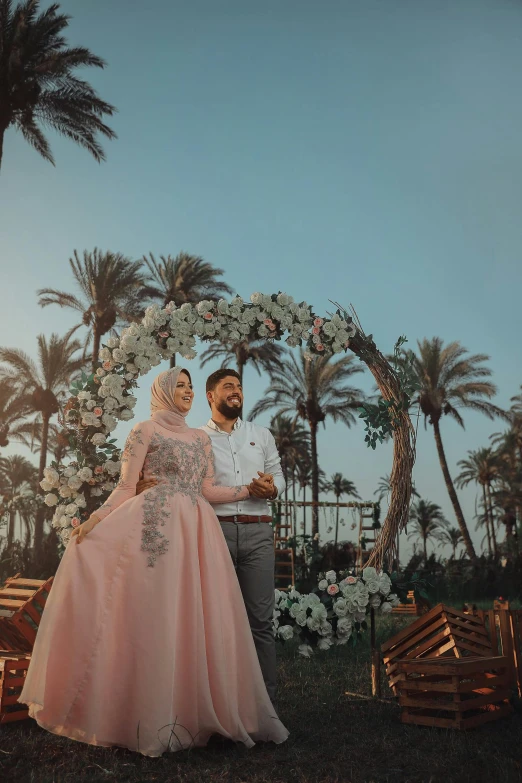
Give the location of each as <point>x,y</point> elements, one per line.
<point>243,450</point>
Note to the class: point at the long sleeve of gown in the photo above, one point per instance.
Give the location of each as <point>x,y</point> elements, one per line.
<point>212,491</point>
<point>132,459</point>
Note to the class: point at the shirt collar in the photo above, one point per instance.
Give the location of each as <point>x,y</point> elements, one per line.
<point>213,426</point>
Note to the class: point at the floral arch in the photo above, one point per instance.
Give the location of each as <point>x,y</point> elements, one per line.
<point>100,400</point>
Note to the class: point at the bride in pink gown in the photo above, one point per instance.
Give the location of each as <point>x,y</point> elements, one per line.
<point>145,641</point>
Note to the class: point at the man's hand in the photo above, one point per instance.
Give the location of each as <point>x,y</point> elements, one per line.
<point>263,487</point>
<point>144,484</point>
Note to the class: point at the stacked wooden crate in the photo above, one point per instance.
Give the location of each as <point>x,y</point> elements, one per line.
<point>408,608</point>
<point>21,605</point>
<point>445,671</point>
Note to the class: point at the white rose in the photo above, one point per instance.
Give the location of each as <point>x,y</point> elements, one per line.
<point>126,415</point>
<point>51,475</point>
<point>384,584</point>
<point>105,354</point>
<point>65,491</point>
<point>325,643</point>
<point>108,486</point>
<point>75,482</point>
<point>90,420</point>
<point>305,650</point>
<point>110,404</point>
<point>331,576</point>
<point>65,535</point>
<point>96,492</point>
<point>84,474</point>
<point>340,607</point>
<point>112,468</point>
<point>373,586</point>
<point>313,623</point>
<point>113,342</point>
<point>375,601</point>
<point>293,594</point>
<point>109,422</point>
<point>98,439</point>
<point>319,612</point>
<point>386,607</point>
<point>100,372</point>
<point>80,501</point>
<point>71,509</point>
<point>256,298</point>
<point>283,299</point>
<point>84,395</point>
<point>118,355</point>
<point>286,632</point>
<point>300,617</point>
<point>369,573</point>
<point>90,404</point>
<point>46,485</point>
<point>344,627</point>
<point>51,499</point>
<point>130,401</point>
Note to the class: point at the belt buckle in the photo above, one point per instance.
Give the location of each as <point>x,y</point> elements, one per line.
<point>235,517</point>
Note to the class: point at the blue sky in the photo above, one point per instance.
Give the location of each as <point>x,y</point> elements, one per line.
<point>364,151</point>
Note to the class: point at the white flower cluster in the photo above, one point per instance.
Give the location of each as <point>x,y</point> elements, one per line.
<point>332,622</point>
<point>95,410</point>
<point>64,492</point>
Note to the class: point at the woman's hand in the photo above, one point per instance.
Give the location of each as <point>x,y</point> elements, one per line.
<point>84,529</point>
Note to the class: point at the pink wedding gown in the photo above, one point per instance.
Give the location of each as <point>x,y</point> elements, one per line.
<point>145,641</point>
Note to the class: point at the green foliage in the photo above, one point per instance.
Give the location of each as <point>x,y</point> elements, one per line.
<point>382,418</point>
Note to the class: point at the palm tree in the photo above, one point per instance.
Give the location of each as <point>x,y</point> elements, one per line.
<point>13,410</point>
<point>111,288</point>
<point>38,83</point>
<point>293,445</point>
<point>17,477</point>
<point>47,383</point>
<point>261,354</point>
<point>341,486</point>
<point>452,537</point>
<point>183,279</point>
<point>384,489</point>
<point>428,522</point>
<point>303,474</point>
<point>314,389</point>
<point>482,467</point>
<point>450,381</point>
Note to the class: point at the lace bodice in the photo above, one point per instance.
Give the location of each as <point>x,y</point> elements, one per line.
<point>180,463</point>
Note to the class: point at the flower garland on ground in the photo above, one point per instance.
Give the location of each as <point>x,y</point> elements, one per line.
<point>334,612</point>
<point>100,400</point>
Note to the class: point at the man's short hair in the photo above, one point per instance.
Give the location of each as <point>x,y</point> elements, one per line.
<point>216,377</point>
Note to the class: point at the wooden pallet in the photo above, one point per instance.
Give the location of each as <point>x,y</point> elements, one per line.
<point>458,693</point>
<point>13,668</point>
<point>443,631</point>
<point>21,605</point>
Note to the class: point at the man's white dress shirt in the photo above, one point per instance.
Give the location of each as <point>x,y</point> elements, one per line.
<point>238,456</point>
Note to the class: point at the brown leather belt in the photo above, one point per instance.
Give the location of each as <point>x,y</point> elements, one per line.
<point>245,518</point>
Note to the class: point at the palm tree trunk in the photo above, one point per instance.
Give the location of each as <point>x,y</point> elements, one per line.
<point>173,360</point>
<point>315,485</point>
<point>11,528</point>
<point>337,523</point>
<point>96,339</point>
<point>304,510</point>
<point>492,520</point>
<point>294,510</point>
<point>39,518</point>
<point>486,510</point>
<point>470,549</point>
<point>425,545</point>
<point>2,132</point>
<point>240,368</point>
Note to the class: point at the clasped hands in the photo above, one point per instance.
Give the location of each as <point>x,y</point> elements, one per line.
<point>262,487</point>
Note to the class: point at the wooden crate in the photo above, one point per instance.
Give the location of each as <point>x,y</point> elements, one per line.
<point>409,608</point>
<point>21,605</point>
<point>13,668</point>
<point>443,631</point>
<point>504,627</point>
<point>458,693</point>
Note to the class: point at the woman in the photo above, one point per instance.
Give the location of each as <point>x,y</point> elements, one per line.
<point>145,641</point>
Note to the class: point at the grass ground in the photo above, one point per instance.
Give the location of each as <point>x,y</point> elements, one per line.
<point>334,739</point>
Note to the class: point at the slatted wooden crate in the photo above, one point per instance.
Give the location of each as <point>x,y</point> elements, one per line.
<point>13,668</point>
<point>408,608</point>
<point>504,628</point>
<point>458,693</point>
<point>443,631</point>
<point>21,605</point>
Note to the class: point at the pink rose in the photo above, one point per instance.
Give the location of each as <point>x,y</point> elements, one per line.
<point>107,365</point>
<point>208,316</point>
<point>98,469</point>
<point>75,521</point>
<point>316,330</point>
<point>98,411</point>
<point>163,334</point>
<point>332,589</point>
<point>319,347</point>
<point>350,580</point>
<point>268,322</point>
<point>318,322</point>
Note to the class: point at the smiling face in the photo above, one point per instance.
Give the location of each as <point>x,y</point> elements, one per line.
<point>227,397</point>
<point>184,394</point>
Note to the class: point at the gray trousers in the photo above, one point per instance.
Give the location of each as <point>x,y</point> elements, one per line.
<point>251,546</point>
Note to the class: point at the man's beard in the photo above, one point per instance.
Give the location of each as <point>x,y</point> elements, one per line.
<point>229,411</point>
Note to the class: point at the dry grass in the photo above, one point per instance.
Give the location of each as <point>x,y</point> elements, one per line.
<point>334,739</point>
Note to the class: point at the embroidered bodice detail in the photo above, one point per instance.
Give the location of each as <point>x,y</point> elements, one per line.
<point>181,464</point>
